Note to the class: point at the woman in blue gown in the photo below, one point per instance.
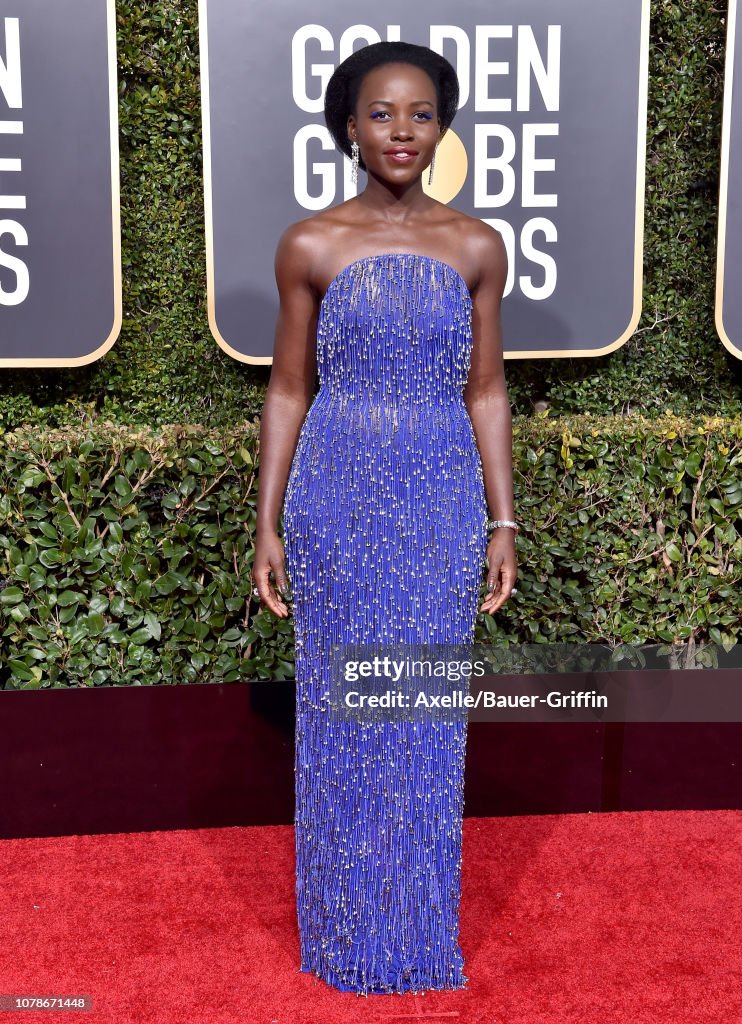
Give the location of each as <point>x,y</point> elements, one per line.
<point>385,479</point>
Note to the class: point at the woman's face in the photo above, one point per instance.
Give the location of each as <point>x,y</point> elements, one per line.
<point>396,122</point>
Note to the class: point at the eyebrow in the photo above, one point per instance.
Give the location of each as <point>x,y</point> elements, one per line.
<point>415,103</point>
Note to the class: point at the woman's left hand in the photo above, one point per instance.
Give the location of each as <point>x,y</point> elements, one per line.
<point>502,569</point>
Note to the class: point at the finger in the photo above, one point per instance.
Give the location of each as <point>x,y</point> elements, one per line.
<point>282,580</point>
<point>497,596</point>
<point>503,585</point>
<point>491,609</point>
<point>494,568</point>
<point>280,589</point>
<point>503,591</point>
<point>493,584</point>
<point>268,596</point>
<point>275,604</point>
<point>493,601</point>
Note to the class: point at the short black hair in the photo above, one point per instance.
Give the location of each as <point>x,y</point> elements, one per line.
<point>342,90</point>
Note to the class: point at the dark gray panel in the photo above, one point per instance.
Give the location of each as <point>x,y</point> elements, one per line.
<point>73,253</point>
<point>729,317</point>
<point>254,119</point>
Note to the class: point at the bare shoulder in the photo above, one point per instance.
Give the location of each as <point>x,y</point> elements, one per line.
<point>304,244</point>
<point>484,247</point>
<point>296,244</point>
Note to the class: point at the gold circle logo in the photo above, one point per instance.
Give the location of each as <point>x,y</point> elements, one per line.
<point>449,173</point>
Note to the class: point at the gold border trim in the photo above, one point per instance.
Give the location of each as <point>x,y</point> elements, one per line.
<point>203,45</point>
<point>113,120</point>
<point>724,181</point>
<point>641,164</point>
<point>527,354</point>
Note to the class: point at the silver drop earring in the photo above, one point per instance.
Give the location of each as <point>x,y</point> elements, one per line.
<point>354,162</point>
<point>432,165</point>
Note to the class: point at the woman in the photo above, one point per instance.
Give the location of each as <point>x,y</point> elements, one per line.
<point>395,300</point>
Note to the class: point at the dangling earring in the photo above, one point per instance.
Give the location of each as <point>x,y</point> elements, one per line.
<point>432,165</point>
<point>354,162</point>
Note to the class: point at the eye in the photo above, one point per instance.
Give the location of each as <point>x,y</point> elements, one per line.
<point>379,115</point>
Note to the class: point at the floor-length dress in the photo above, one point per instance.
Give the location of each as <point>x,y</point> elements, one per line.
<point>385,540</point>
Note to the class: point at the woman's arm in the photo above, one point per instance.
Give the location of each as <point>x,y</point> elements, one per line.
<point>487,402</point>
<point>287,399</point>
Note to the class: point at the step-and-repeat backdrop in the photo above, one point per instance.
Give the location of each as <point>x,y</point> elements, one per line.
<point>548,146</point>
<point>729,248</point>
<point>60,237</point>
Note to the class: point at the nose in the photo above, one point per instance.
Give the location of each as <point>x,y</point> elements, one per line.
<point>402,131</point>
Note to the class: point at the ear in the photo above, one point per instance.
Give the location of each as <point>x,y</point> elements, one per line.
<point>351,127</point>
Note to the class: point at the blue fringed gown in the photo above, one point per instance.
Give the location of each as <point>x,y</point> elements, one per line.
<point>385,539</point>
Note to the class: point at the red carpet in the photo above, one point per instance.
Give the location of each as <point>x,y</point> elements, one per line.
<point>619,918</point>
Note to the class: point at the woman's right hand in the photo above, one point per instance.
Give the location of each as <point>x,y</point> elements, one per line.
<point>269,558</point>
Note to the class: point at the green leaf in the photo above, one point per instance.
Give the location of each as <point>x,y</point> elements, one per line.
<point>96,623</point>
<point>673,552</point>
<point>152,625</point>
<point>50,557</point>
<point>21,669</point>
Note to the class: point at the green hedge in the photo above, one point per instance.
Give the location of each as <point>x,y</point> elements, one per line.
<point>125,554</point>
<point>166,367</point>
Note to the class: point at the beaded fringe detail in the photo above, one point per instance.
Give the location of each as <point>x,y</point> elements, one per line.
<point>385,538</point>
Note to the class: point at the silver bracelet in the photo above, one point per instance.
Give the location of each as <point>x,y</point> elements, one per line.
<point>493,523</point>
